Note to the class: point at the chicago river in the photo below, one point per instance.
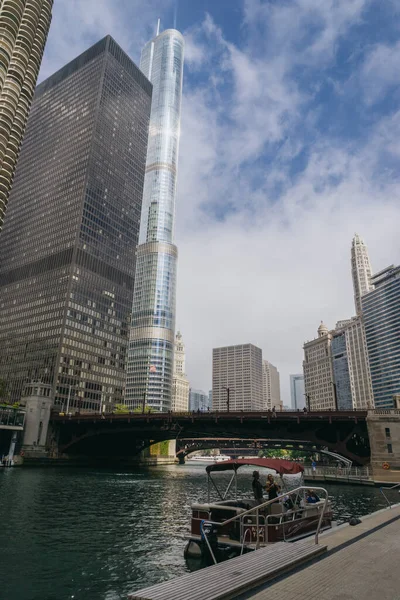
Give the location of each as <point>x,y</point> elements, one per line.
<point>99,534</point>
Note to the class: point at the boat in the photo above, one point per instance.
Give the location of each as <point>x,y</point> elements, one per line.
<point>209,459</point>
<point>228,527</point>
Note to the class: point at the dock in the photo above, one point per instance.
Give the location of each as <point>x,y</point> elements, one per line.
<point>227,579</point>
<point>361,562</point>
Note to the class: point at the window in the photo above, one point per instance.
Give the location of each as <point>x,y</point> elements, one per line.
<point>390,449</point>
<point>387,432</point>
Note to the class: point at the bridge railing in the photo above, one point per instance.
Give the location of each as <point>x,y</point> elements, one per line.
<point>362,473</point>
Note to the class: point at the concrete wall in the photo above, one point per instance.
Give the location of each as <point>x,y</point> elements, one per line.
<point>384,436</point>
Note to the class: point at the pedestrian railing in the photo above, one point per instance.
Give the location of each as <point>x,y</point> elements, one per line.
<point>362,473</point>
<point>396,486</point>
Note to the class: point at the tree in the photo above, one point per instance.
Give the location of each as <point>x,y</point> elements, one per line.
<point>139,409</point>
<point>121,409</point>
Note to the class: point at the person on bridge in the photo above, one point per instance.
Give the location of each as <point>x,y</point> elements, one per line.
<point>257,487</point>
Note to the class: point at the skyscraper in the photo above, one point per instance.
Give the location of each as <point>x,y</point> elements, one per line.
<point>318,372</point>
<point>381,310</point>
<point>271,387</point>
<point>68,243</point>
<point>24,25</point>
<point>180,383</point>
<point>238,368</point>
<point>361,271</point>
<point>297,392</point>
<point>198,400</point>
<point>153,313</point>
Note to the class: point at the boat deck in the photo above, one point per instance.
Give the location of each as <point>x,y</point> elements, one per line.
<point>229,578</point>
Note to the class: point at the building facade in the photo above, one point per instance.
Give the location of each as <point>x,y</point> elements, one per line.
<point>198,400</point>
<point>153,312</point>
<point>341,375</point>
<point>358,363</point>
<point>68,243</point>
<point>318,371</point>
<point>361,271</point>
<point>297,392</point>
<point>271,387</point>
<point>180,383</point>
<point>238,368</point>
<point>24,25</point>
<point>381,311</point>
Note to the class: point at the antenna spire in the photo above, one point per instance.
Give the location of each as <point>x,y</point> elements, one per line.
<point>158,27</point>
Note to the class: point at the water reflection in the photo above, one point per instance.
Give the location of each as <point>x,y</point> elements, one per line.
<point>93,534</point>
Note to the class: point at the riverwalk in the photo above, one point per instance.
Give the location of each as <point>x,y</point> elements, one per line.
<point>361,562</point>
<point>350,562</point>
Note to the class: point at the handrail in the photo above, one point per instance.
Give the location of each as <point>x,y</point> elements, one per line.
<point>396,485</point>
<point>268,502</point>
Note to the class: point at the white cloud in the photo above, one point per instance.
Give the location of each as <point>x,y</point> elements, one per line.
<point>380,72</point>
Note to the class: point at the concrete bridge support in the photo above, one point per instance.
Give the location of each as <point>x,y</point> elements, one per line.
<point>38,402</point>
<point>384,436</point>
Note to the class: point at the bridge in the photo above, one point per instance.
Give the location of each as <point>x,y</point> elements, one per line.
<point>125,435</point>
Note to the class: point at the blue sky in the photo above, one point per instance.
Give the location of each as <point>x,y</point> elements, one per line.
<point>289,144</point>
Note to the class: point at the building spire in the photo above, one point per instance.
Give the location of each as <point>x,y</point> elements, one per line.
<point>361,271</point>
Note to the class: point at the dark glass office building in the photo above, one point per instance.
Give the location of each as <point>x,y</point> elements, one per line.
<point>67,248</point>
<point>381,311</point>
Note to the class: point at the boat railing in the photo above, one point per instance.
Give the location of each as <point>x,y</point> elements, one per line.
<point>396,485</point>
<point>256,510</point>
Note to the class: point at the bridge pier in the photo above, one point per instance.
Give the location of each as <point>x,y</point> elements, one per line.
<point>38,402</point>
<point>384,436</point>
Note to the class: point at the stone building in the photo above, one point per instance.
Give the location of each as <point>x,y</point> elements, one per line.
<point>318,371</point>
<point>180,383</point>
<point>271,387</point>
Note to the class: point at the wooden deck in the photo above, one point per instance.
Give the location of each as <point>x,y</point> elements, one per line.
<point>230,578</point>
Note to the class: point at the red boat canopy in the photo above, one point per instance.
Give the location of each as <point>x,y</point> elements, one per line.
<point>283,467</point>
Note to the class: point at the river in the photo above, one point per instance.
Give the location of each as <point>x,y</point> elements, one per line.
<point>98,534</point>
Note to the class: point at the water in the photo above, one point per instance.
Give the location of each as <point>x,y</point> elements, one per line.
<point>98,535</point>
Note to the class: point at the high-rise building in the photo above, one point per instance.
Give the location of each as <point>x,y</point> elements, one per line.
<point>180,383</point>
<point>198,400</point>
<point>24,25</point>
<point>318,371</point>
<point>381,311</point>
<point>341,375</point>
<point>68,243</point>
<point>361,271</point>
<point>239,370</point>
<point>271,387</point>
<point>153,313</point>
<point>297,393</point>
<point>358,363</point>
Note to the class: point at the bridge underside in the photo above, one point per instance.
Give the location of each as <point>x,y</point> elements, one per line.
<point>125,435</point>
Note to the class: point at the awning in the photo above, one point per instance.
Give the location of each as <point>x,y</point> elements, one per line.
<point>283,467</point>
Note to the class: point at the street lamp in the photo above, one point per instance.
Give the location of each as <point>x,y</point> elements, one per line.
<point>228,389</point>
<point>308,401</point>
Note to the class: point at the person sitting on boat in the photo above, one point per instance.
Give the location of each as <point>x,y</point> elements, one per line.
<point>311,497</point>
<point>273,488</point>
<point>257,487</point>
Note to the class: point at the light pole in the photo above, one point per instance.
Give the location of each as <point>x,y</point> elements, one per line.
<point>307,401</point>
<point>228,389</point>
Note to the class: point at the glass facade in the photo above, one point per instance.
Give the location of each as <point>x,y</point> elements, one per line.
<point>151,349</point>
<point>297,392</point>
<point>72,226</point>
<point>341,373</point>
<point>24,25</point>
<point>198,400</point>
<point>381,311</point>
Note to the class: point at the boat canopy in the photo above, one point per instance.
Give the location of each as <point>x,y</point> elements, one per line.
<point>281,466</point>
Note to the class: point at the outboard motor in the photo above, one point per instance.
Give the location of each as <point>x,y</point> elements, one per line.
<point>209,531</point>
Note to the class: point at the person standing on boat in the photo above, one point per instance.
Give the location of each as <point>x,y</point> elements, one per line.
<point>257,487</point>
<point>273,488</point>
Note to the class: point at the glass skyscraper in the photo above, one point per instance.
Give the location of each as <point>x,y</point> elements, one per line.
<point>151,348</point>
<point>68,243</point>
<point>381,311</point>
<point>297,393</point>
<point>24,25</point>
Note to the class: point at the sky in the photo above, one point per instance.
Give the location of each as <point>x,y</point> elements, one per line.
<point>290,143</point>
